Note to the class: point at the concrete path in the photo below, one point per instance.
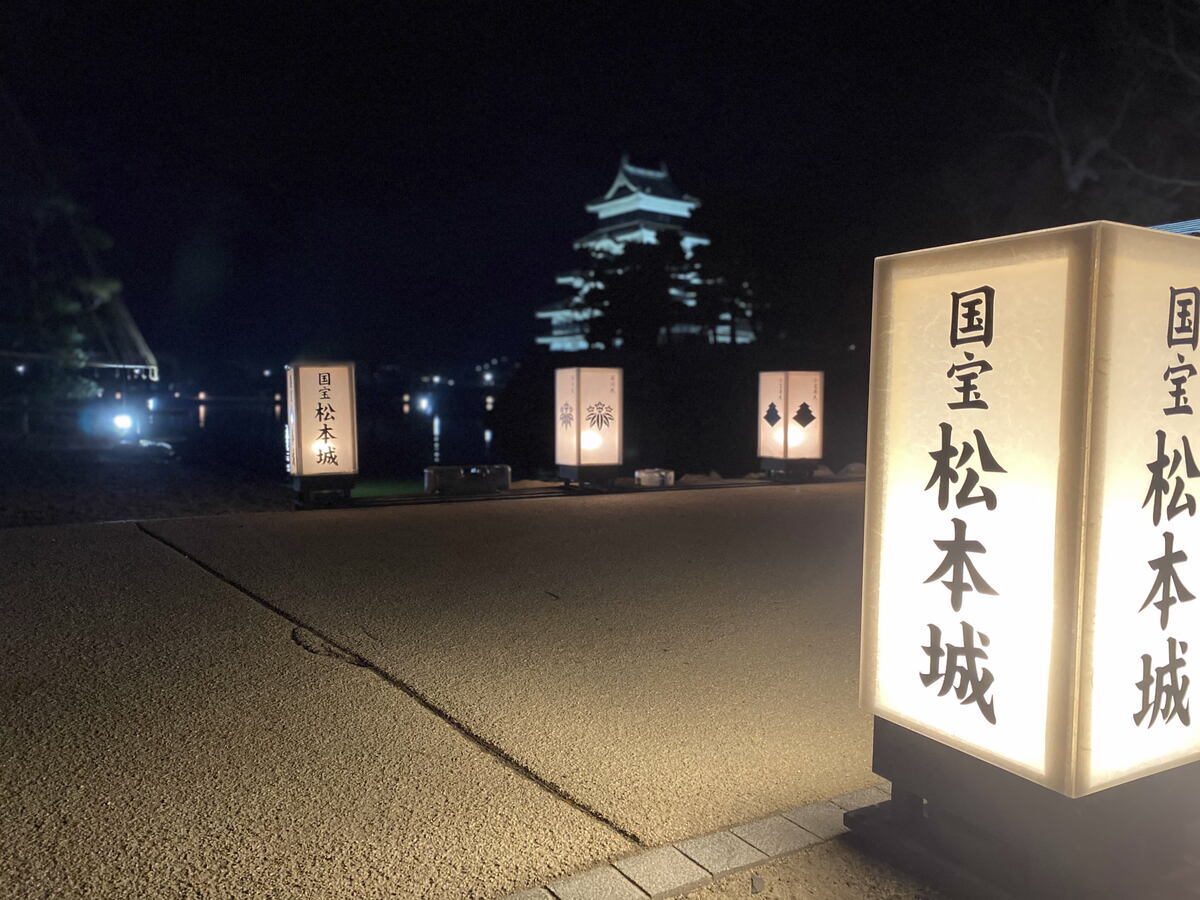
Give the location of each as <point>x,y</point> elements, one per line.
<point>457,700</point>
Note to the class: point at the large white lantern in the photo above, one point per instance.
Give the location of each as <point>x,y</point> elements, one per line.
<point>322,425</point>
<point>791,418</point>
<point>1032,534</point>
<point>588,422</point>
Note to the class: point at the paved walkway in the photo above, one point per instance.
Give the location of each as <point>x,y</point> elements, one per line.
<point>459,700</point>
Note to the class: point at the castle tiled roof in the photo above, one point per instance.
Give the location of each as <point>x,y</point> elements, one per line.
<point>632,179</point>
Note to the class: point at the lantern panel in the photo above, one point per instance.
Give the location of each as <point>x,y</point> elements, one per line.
<point>806,415</point>
<point>566,413</point>
<point>322,419</point>
<point>1141,627</point>
<point>772,414</point>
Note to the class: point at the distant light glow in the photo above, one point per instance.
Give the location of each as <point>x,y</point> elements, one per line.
<point>406,398</point>
<point>150,404</point>
<point>487,435</point>
<point>123,421</point>
<point>20,368</point>
<point>489,377</point>
<point>279,398</point>
<point>203,395</point>
<point>117,395</point>
<point>423,404</point>
<point>489,402</point>
<point>266,373</point>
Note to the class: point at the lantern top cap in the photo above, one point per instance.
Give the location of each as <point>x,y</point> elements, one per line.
<point>1065,231</point>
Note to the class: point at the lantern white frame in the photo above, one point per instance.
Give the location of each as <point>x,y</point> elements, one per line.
<point>302,394</point>
<point>575,391</point>
<point>798,447</point>
<point>1074,400</point>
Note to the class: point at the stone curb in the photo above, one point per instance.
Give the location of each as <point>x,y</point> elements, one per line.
<point>683,866</point>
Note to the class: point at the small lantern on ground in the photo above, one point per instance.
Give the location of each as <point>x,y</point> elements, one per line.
<point>1030,517</point>
<point>322,430</point>
<point>588,424</point>
<point>791,422</point>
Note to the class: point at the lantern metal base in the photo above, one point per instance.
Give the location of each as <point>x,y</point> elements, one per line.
<point>976,826</point>
<point>604,476</point>
<point>794,470</point>
<point>323,490</point>
<point>466,480</point>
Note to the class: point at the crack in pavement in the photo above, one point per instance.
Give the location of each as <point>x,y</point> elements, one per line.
<point>315,641</point>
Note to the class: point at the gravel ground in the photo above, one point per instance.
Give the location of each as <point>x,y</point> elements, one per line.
<point>834,870</point>
<point>65,484</point>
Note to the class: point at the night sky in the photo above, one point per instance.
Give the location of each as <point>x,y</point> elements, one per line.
<point>401,182</point>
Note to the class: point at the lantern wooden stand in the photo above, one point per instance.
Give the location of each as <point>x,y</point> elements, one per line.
<point>318,491</point>
<point>322,432</point>
<point>791,424</point>
<point>985,832</point>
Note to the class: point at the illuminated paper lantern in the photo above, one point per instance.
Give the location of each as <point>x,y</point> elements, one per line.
<point>588,420</point>
<point>1032,540</point>
<point>322,423</point>
<point>791,416</point>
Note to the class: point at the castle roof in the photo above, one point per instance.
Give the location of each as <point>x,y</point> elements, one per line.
<point>631,179</point>
<point>620,230</point>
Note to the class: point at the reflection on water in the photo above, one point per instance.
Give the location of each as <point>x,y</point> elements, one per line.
<point>247,434</point>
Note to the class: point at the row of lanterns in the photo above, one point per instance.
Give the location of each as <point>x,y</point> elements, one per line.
<point>589,422</point>
<point>589,412</point>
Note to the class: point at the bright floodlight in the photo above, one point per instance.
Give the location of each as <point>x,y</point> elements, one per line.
<point>123,421</point>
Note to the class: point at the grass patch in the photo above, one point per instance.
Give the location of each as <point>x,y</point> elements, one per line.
<point>387,487</point>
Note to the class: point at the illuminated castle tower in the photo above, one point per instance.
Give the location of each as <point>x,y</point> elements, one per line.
<point>639,206</point>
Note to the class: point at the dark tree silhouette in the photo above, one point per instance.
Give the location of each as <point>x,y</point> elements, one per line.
<point>654,294</point>
<point>1087,135</point>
